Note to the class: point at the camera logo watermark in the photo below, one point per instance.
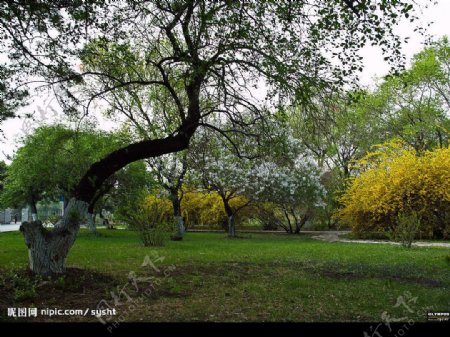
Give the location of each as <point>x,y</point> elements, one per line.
<point>438,316</point>
<point>408,303</point>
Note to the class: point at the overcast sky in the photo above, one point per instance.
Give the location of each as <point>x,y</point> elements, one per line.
<point>374,68</point>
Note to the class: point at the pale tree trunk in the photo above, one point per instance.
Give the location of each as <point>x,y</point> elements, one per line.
<point>91,223</point>
<point>179,228</point>
<point>231,226</point>
<point>47,250</point>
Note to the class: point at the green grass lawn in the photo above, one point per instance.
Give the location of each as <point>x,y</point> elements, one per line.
<point>208,277</point>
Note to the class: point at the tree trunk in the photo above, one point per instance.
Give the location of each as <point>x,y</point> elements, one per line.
<point>91,223</point>
<point>286,215</point>
<point>299,224</point>
<point>230,216</point>
<point>179,223</point>
<point>91,217</point>
<point>101,170</point>
<point>179,229</point>
<point>231,226</point>
<point>47,250</point>
<point>346,171</point>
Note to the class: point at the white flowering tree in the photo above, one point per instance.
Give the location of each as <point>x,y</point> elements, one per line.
<point>280,176</point>
<point>217,169</point>
<point>292,191</point>
<point>170,170</point>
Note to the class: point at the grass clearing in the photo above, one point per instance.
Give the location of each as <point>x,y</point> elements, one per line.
<point>208,277</point>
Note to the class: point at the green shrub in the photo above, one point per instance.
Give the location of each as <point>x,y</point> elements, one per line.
<point>406,229</point>
<point>154,236</point>
<point>149,221</point>
<point>268,219</point>
<point>53,218</point>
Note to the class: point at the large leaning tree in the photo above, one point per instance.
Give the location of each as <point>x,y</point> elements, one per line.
<point>218,50</point>
<point>136,105</point>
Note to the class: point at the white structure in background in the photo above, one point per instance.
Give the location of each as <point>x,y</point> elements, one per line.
<point>25,215</point>
<point>7,216</point>
<point>11,219</point>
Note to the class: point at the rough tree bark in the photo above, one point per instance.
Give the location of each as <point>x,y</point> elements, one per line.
<point>47,250</point>
<point>90,216</point>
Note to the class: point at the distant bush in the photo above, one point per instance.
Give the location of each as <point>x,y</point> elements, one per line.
<point>394,180</point>
<point>153,236</point>
<point>151,221</point>
<point>267,217</point>
<point>324,218</point>
<point>318,226</point>
<point>406,228</point>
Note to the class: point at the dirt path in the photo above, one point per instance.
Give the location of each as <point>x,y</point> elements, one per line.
<point>333,236</point>
<point>330,236</point>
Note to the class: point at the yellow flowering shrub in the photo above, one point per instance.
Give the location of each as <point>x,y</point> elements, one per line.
<point>394,179</point>
<point>200,208</point>
<point>203,208</point>
<point>162,205</point>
